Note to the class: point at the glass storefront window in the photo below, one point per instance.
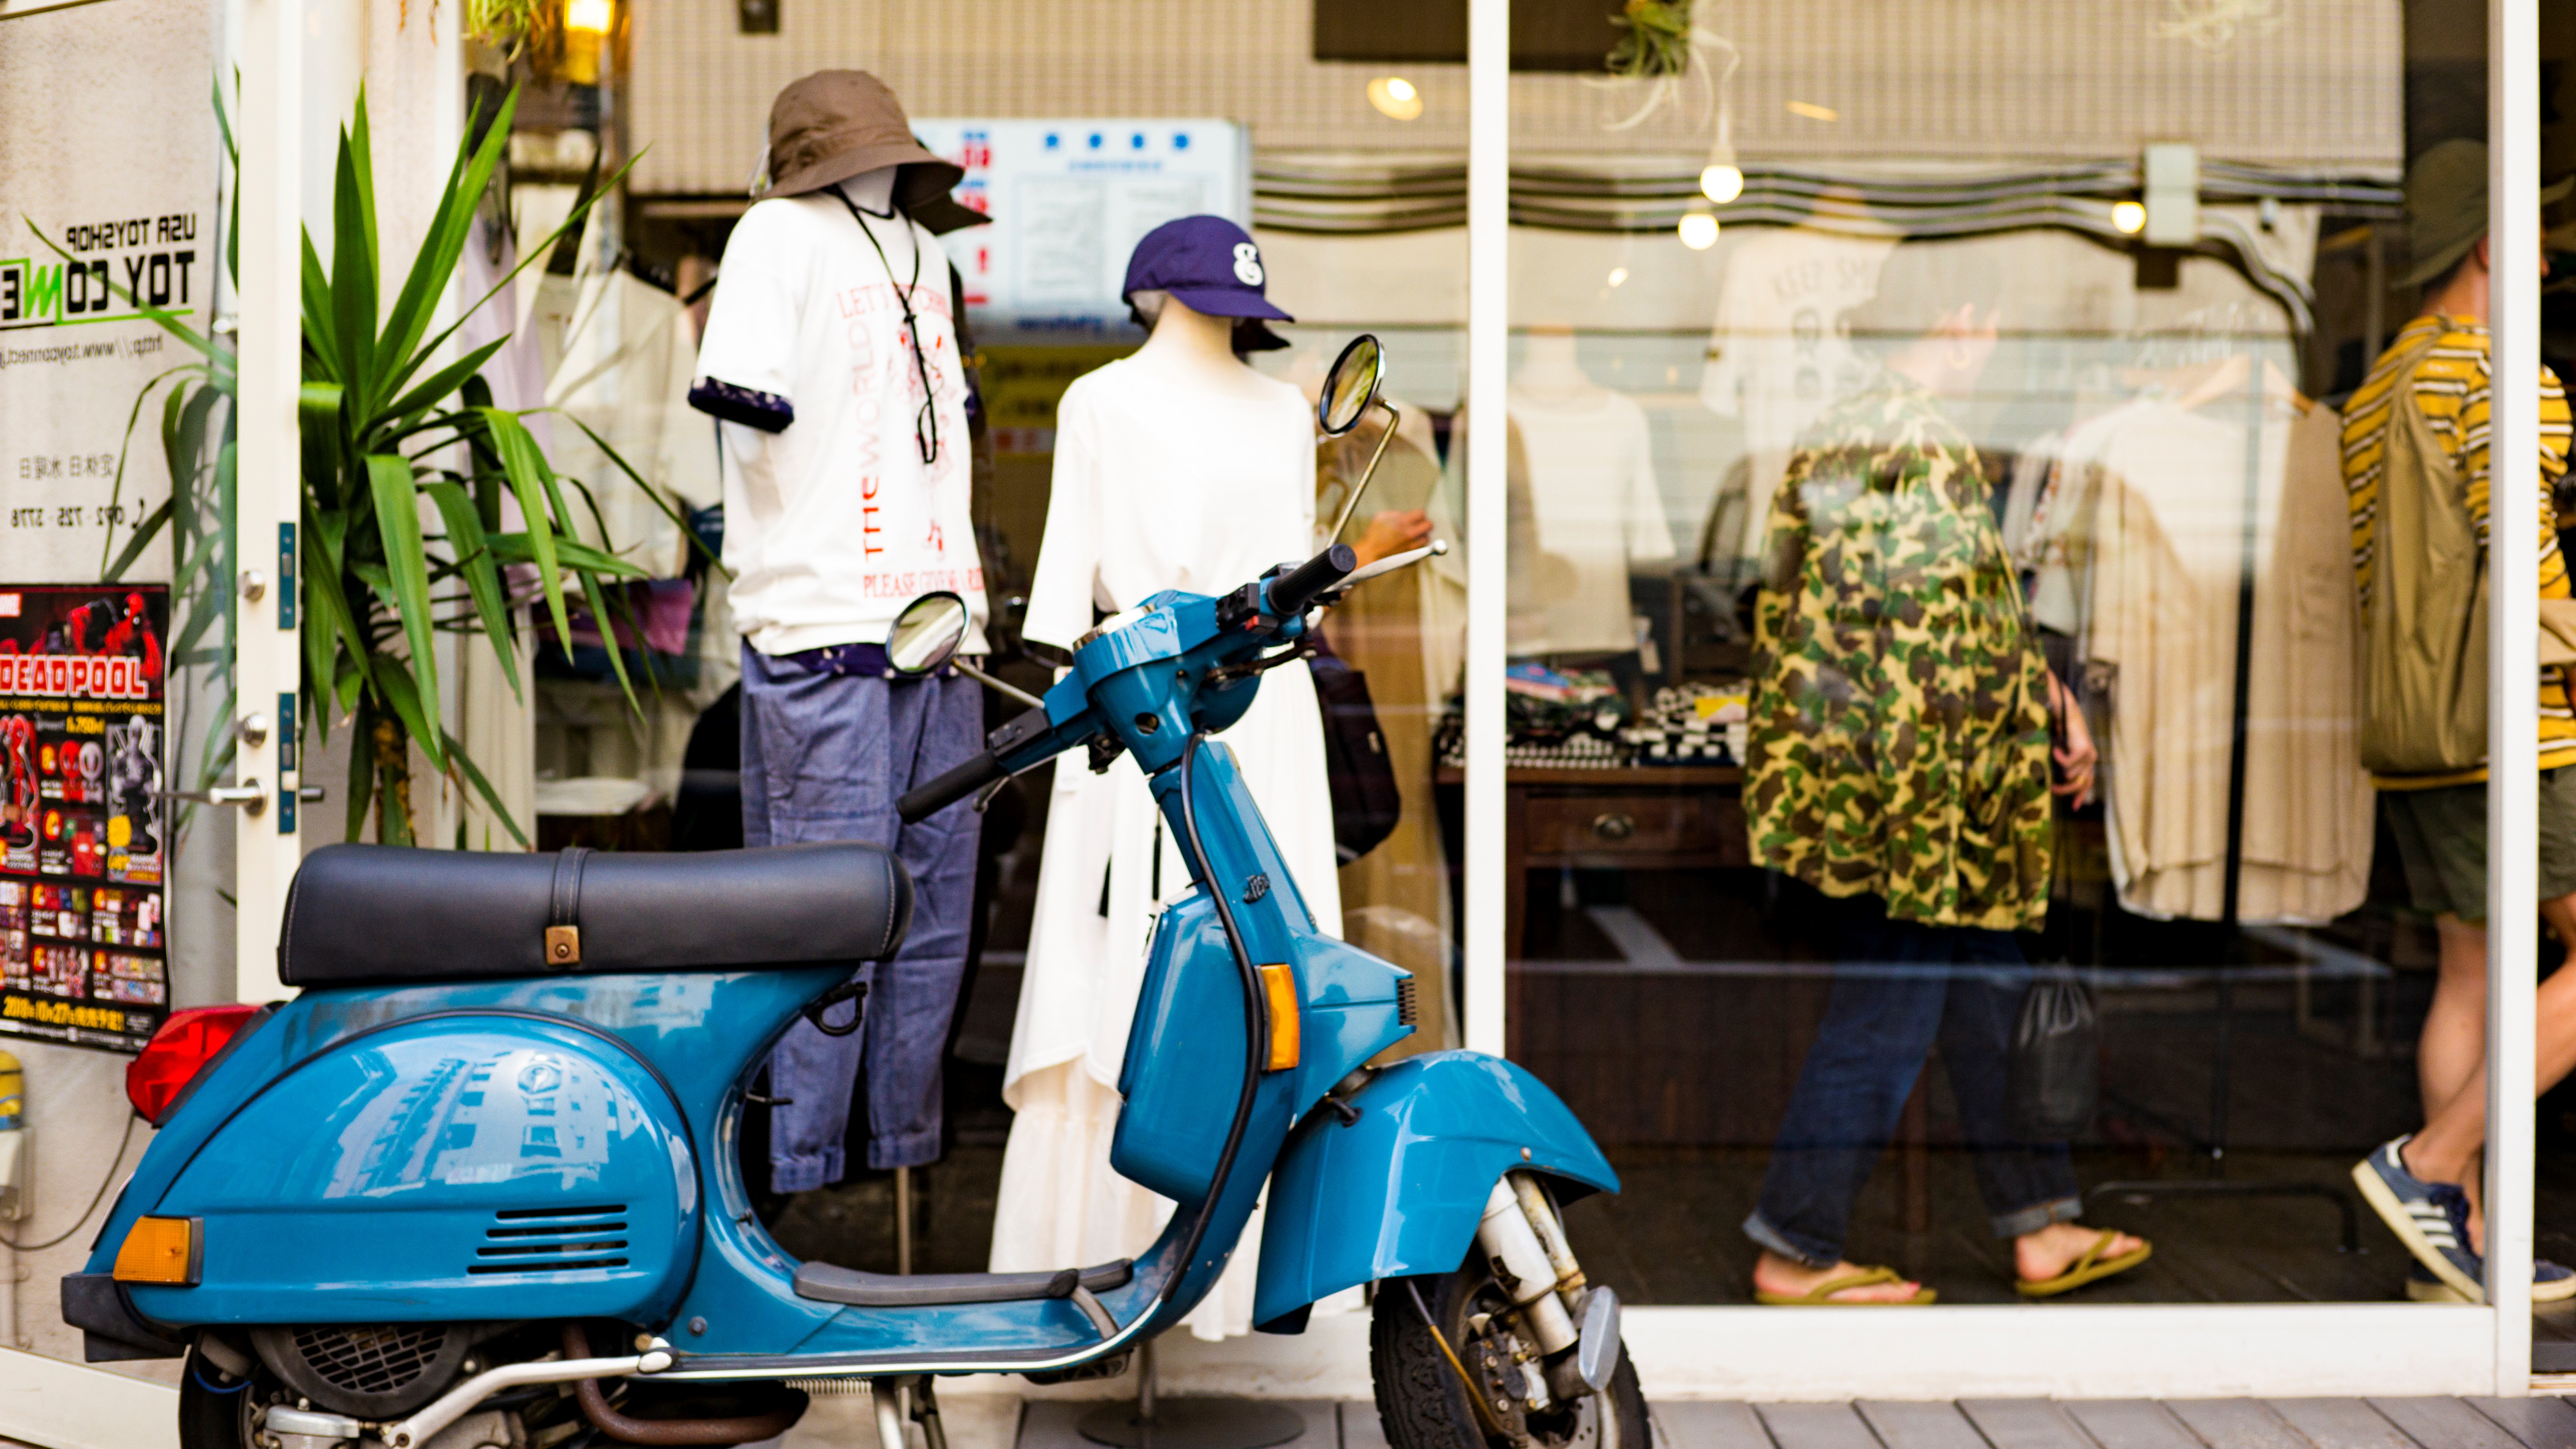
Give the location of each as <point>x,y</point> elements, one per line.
<point>1936,813</point>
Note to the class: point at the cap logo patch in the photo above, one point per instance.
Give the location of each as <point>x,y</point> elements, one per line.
<point>1247,264</point>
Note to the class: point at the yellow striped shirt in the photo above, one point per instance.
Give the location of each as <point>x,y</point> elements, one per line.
<point>2452,385</point>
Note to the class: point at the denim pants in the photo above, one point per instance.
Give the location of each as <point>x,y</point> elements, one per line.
<point>1900,987</point>
<point>824,757</point>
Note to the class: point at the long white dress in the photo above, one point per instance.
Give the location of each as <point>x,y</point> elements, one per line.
<point>1161,481</point>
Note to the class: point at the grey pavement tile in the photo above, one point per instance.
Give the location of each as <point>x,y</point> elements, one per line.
<point>1816,1426</point>
<point>2341,1424</point>
<point>1920,1426</point>
<point>2237,1424</point>
<point>1361,1427</point>
<point>2024,1424</point>
<point>2130,1424</point>
<point>2539,1422</point>
<point>1707,1424</point>
<point>2444,1424</point>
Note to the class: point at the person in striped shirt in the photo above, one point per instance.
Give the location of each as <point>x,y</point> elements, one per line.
<point>2439,367</point>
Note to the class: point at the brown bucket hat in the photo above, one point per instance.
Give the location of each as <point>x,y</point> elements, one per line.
<point>836,124</point>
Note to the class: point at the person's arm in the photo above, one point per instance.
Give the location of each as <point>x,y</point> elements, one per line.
<point>2476,465</point>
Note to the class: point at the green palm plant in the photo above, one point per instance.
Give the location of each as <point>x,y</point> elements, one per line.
<point>386,424</point>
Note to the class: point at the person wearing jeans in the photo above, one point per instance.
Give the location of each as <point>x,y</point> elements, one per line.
<point>1902,989</point>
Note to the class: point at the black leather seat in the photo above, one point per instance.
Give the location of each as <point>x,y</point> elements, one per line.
<point>372,913</point>
<point>825,1283</point>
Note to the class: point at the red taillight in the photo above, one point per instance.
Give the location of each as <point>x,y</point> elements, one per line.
<point>178,1051</point>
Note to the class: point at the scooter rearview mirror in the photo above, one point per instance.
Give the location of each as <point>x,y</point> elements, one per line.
<point>1351,386</point>
<point>1349,390</point>
<point>926,634</point>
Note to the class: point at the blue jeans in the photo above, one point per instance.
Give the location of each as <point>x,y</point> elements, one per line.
<point>1902,986</point>
<point>824,757</point>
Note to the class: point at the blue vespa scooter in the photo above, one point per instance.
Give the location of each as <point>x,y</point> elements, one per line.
<point>478,1185</point>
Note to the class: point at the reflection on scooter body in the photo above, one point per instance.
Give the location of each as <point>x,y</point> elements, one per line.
<point>480,1177</point>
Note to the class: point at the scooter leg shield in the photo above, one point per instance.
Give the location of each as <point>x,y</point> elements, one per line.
<point>1399,1188</point>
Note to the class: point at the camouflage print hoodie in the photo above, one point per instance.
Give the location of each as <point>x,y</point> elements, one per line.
<point>1899,715</point>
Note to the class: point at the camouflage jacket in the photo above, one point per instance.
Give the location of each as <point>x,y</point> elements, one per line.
<point>1899,732</point>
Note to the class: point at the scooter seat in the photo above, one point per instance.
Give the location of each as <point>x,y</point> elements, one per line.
<point>827,1284</point>
<point>373,913</point>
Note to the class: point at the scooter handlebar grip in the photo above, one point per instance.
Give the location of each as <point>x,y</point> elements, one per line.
<point>949,788</point>
<point>1291,592</point>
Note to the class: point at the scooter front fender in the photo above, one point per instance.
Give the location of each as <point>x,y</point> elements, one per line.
<point>1399,1189</point>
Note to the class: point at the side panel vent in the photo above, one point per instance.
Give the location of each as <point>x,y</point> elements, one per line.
<point>553,1240</point>
<point>1408,1002</point>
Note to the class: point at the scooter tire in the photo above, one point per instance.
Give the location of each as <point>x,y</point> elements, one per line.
<point>214,1406</point>
<point>1422,1396</point>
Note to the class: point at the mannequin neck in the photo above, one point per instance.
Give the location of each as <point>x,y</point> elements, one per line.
<point>1549,370</point>
<point>1188,338</point>
<point>873,191</point>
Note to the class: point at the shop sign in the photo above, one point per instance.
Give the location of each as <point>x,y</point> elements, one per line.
<point>1069,200</point>
<point>125,192</point>
<point>84,826</point>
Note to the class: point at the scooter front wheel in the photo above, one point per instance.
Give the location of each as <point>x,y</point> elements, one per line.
<point>1438,1339</point>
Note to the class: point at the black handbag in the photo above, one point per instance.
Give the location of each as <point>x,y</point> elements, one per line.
<point>1366,802</point>
<point>2055,1075</point>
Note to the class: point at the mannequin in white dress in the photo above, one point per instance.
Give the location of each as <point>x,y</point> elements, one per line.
<point>1177,467</point>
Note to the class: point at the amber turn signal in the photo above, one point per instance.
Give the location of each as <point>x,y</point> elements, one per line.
<point>1279,984</point>
<point>161,1250</point>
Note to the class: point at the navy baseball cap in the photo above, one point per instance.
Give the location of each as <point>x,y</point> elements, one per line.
<point>1209,263</point>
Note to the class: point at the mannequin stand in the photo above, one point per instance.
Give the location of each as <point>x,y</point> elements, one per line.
<point>1151,1423</point>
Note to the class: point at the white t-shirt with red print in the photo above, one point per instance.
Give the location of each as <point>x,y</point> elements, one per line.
<point>833,523</point>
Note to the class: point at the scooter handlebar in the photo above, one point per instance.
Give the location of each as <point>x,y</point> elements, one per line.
<point>948,789</point>
<point>1291,592</point>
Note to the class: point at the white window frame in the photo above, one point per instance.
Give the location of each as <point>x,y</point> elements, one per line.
<point>2107,1351</point>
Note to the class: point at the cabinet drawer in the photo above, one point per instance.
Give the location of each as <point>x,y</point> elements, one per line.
<point>1679,822</point>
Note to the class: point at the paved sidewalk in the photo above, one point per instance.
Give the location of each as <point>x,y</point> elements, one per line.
<point>2538,1423</point>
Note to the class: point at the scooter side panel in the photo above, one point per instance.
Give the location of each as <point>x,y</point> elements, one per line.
<point>1399,1190</point>
<point>451,1167</point>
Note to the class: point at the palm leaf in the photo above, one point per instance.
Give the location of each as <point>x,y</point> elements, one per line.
<point>398,525</point>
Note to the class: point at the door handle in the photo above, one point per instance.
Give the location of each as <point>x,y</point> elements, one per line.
<point>248,793</point>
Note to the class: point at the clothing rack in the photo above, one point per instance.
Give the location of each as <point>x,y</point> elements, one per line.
<point>2217,1183</point>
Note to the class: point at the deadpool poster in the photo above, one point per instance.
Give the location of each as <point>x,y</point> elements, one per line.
<point>84,821</point>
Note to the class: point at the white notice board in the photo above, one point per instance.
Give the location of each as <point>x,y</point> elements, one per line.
<point>1069,200</point>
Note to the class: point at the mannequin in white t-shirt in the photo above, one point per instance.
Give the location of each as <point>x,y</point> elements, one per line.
<point>1596,515</point>
<point>833,364</point>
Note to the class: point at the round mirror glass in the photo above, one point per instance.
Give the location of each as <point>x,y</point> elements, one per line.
<point>1351,386</point>
<point>926,633</point>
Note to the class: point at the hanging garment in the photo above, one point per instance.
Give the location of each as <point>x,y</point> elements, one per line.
<point>1899,724</point>
<point>1595,516</point>
<point>1160,482</point>
<point>1777,356</point>
<point>2155,512</point>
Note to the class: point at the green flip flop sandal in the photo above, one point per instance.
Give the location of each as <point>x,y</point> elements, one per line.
<point>1822,1295</point>
<point>2091,1268</point>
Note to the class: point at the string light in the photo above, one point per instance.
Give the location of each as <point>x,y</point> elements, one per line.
<point>1698,230</point>
<point>2129,216</point>
<point>1721,183</point>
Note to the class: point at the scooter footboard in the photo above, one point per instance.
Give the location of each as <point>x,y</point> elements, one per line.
<point>1398,1189</point>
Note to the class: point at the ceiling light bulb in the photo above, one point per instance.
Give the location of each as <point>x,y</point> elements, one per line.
<point>1699,231</point>
<point>1721,184</point>
<point>2129,216</point>
<point>1395,98</point>
<point>590,16</point>
<point>1618,275</point>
